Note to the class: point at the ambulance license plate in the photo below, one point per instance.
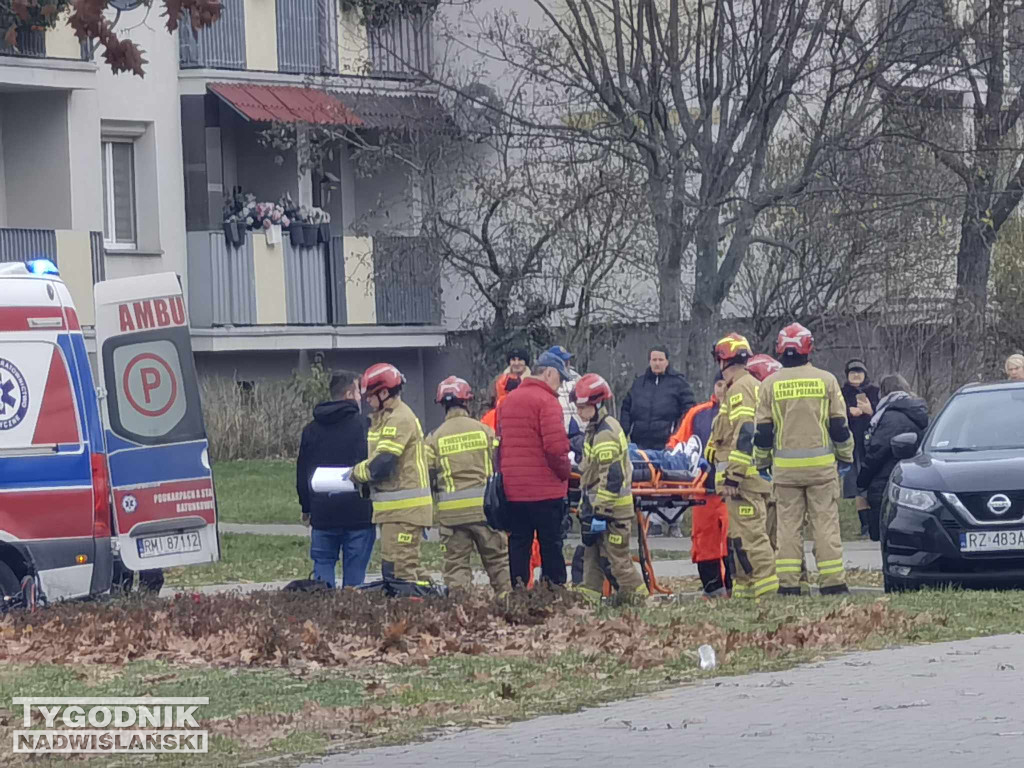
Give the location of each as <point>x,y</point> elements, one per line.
<point>169,544</point>
<point>991,541</point>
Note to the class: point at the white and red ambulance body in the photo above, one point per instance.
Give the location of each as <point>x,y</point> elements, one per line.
<point>69,448</point>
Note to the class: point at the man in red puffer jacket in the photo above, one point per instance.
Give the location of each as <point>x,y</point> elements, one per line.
<point>534,460</point>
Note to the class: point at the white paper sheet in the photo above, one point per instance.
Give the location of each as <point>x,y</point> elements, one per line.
<point>332,480</point>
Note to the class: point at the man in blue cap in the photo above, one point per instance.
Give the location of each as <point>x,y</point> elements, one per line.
<point>569,414</point>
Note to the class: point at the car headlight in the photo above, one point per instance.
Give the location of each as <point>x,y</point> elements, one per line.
<point>913,498</point>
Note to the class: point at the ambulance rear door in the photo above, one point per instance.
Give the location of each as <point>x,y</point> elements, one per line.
<point>165,510</point>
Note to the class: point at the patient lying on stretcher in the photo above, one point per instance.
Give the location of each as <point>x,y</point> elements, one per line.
<point>682,464</point>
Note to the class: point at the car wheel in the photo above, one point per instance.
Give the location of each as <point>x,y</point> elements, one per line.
<point>9,586</point>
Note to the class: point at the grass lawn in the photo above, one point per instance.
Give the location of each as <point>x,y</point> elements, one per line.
<point>256,492</point>
<point>264,492</point>
<point>253,558</point>
<point>299,676</point>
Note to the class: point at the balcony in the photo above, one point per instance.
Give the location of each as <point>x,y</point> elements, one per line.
<point>308,37</point>
<point>402,48</point>
<point>59,43</point>
<point>351,281</point>
<point>79,256</point>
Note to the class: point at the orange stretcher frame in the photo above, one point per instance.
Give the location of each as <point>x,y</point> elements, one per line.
<point>646,496</point>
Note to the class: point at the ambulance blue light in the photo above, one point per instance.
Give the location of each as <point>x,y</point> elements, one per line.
<point>42,267</point>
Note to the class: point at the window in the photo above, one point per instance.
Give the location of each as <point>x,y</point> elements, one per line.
<point>119,220</point>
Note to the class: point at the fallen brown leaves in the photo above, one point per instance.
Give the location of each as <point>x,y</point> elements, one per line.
<point>284,629</point>
<point>351,629</point>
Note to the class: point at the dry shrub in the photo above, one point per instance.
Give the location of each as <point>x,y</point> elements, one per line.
<point>263,421</point>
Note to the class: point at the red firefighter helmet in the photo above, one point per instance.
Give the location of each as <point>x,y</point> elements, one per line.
<point>591,389</point>
<point>381,376</point>
<point>733,348</point>
<point>454,388</point>
<point>796,339</point>
<point>763,366</point>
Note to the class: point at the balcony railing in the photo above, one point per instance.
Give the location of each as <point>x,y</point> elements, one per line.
<point>402,48</point>
<point>219,46</point>
<point>298,23</point>
<point>225,286</point>
<point>307,41</point>
<point>31,44</point>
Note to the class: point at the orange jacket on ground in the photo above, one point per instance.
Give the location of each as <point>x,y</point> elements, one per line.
<point>711,519</point>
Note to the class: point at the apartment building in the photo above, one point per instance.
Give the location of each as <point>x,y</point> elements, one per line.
<point>112,176</point>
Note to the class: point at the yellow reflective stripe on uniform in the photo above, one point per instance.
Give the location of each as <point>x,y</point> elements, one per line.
<point>787,565</point>
<point>421,465</point>
<point>740,457</point>
<point>763,587</point>
<point>814,461</point>
<point>390,447</point>
<point>739,413</point>
<point>830,567</point>
<point>476,501</point>
<point>823,422</point>
<point>446,475</point>
<point>777,421</point>
<point>417,501</point>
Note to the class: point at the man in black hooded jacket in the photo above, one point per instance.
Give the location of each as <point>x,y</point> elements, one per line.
<point>656,403</point>
<point>341,522</point>
<point>899,411</point>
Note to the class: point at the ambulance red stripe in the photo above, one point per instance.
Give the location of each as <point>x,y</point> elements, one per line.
<point>17,318</point>
<point>57,424</point>
<point>41,514</point>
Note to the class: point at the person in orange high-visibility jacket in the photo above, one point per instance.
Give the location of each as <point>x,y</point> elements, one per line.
<point>710,537</point>
<point>504,384</point>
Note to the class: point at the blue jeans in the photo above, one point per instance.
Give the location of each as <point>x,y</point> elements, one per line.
<point>355,546</point>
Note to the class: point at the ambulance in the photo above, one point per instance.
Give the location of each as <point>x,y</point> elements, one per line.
<point>93,472</point>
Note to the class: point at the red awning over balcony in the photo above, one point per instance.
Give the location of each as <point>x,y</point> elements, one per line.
<point>286,103</point>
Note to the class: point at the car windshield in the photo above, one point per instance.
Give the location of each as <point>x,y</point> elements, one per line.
<point>980,421</point>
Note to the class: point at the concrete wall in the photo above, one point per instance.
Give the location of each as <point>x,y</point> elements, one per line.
<point>152,105</point>
<point>37,162</point>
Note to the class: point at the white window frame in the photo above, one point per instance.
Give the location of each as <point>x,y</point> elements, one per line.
<point>110,221</point>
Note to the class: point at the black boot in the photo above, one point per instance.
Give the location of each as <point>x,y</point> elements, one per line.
<point>789,591</point>
<point>864,525</point>
<point>838,589</point>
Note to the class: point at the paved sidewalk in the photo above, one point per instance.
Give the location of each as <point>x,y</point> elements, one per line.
<point>943,706</point>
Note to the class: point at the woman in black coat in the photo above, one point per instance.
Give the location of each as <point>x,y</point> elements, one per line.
<point>861,398</point>
<point>898,411</point>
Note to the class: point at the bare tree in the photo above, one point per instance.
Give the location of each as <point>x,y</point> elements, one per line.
<point>969,62</point>
<point>697,95</point>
